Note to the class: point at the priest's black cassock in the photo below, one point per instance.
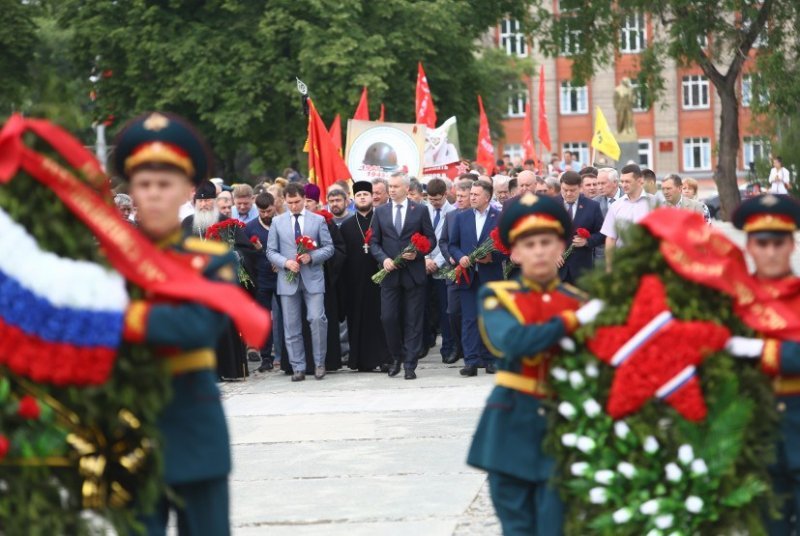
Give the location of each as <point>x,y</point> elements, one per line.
<point>333,311</point>
<point>368,349</point>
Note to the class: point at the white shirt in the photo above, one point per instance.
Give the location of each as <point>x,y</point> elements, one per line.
<point>780,185</point>
<point>301,219</point>
<point>480,221</point>
<point>403,210</point>
<point>625,210</point>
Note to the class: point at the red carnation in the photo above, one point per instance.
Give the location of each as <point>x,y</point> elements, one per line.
<point>5,446</point>
<point>421,243</point>
<point>28,408</point>
<point>325,214</point>
<point>584,233</point>
<point>254,239</point>
<point>498,242</point>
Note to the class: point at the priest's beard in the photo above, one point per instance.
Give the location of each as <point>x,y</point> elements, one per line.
<point>204,219</point>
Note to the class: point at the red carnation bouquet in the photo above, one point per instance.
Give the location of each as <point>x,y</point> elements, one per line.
<point>305,244</point>
<point>490,245</point>
<point>225,231</point>
<point>581,232</point>
<point>419,243</point>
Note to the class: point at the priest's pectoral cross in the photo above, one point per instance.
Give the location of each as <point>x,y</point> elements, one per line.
<point>366,248</point>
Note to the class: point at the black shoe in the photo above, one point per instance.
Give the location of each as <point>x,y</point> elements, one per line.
<point>266,366</point>
<point>253,355</point>
<point>384,368</point>
<point>319,373</point>
<point>450,359</point>
<point>411,375</point>
<point>298,376</point>
<point>423,353</point>
<point>469,371</point>
<point>394,369</point>
<point>491,368</point>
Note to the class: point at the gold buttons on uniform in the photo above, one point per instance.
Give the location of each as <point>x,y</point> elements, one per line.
<point>546,298</point>
<point>491,303</point>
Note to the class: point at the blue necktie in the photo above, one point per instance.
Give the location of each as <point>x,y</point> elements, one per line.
<point>398,220</point>
<point>297,233</point>
<point>437,218</point>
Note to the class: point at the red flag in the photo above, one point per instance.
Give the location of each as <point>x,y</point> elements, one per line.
<point>426,114</point>
<point>362,112</point>
<point>383,111</point>
<point>485,151</point>
<point>336,133</point>
<point>325,165</point>
<point>527,136</point>
<point>544,133</point>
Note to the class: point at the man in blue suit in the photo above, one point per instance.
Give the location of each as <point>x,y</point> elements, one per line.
<point>470,229</point>
<point>585,214</point>
<point>403,290</point>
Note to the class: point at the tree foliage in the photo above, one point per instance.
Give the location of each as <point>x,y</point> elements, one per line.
<point>716,35</point>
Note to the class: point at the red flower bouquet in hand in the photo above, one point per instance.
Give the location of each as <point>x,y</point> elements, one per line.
<point>256,242</point>
<point>419,244</point>
<point>582,233</point>
<point>487,247</point>
<point>304,245</point>
<point>225,231</point>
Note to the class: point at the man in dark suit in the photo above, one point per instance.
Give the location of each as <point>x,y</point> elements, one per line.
<point>470,229</point>
<point>403,290</point>
<point>585,214</point>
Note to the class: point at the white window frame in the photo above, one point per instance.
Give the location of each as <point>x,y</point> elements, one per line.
<point>749,144</point>
<point>747,90</point>
<point>703,145</point>
<point>581,94</point>
<point>688,85</point>
<point>638,98</point>
<point>646,150</point>
<point>511,39</point>
<point>518,95</point>
<point>583,151</point>
<point>571,44</point>
<point>513,150</point>
<point>633,34</point>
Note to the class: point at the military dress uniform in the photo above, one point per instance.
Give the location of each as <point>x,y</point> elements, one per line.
<point>194,434</point>
<point>521,323</point>
<point>772,215</point>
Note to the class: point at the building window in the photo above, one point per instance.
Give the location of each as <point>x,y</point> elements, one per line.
<point>512,39</point>
<point>571,43</point>
<point>574,99</point>
<point>747,90</point>
<point>513,151</point>
<point>697,154</point>
<point>695,92</point>
<point>646,154</point>
<point>755,149</point>
<point>640,103</point>
<point>517,98</point>
<point>633,34</point>
<point>580,147</point>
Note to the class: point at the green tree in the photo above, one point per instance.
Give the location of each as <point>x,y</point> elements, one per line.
<point>18,40</point>
<point>731,28</point>
<point>230,65</point>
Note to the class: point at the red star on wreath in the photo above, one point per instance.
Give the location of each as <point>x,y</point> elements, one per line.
<point>656,355</point>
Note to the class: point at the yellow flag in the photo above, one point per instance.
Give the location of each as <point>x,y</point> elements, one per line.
<point>603,140</point>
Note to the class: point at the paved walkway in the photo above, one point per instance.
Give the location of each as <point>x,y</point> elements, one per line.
<point>358,453</point>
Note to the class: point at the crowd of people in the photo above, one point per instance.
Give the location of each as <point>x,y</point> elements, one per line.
<point>328,313</point>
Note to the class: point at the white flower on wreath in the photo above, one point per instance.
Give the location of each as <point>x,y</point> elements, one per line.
<point>559,374</point>
<point>626,469</point>
<point>591,370</point>
<point>665,521</point>
<point>576,379</point>
<point>598,495</point>
<point>699,467</point>
<point>604,476</point>
<point>621,429</point>
<point>579,468</point>
<point>567,410</point>
<point>694,504</point>
<point>586,444</point>
<point>569,440</point>
<point>686,454</point>
<point>650,507</point>
<point>592,408</point>
<point>673,472</point>
<point>651,445</point>
<point>623,515</point>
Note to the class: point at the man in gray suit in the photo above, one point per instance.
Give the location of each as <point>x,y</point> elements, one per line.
<point>308,286</point>
<point>608,191</point>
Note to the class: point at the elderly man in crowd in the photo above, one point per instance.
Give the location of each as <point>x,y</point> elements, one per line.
<point>124,204</point>
<point>380,192</point>
<point>225,203</point>
<point>553,186</point>
<point>500,186</point>
<point>671,186</point>
<point>244,208</point>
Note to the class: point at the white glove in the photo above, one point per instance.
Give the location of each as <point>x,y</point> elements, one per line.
<point>567,344</point>
<point>745,347</point>
<point>589,311</point>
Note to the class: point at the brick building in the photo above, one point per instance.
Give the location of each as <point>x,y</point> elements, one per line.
<point>676,135</point>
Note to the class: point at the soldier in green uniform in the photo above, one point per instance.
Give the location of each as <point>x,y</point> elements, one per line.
<point>522,322</point>
<point>770,222</point>
<point>162,157</point>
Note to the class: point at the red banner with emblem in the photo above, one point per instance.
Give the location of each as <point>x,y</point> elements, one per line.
<point>135,257</point>
<point>706,256</point>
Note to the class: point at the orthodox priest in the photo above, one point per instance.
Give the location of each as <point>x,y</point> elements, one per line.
<point>368,350</point>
